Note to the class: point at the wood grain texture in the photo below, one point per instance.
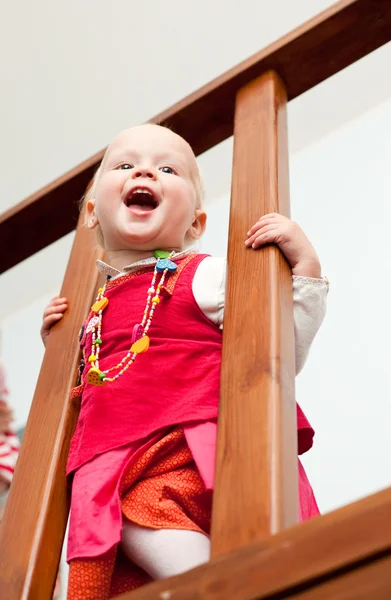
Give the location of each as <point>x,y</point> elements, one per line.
<point>32,531</point>
<point>363,581</point>
<point>256,477</point>
<point>321,47</point>
<point>351,544</point>
<point>37,221</point>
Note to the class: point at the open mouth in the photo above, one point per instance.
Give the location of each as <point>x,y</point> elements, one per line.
<point>142,199</point>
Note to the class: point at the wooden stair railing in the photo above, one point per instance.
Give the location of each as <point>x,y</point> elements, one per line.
<point>315,51</point>
<point>32,531</point>
<point>257,418</point>
<point>344,555</point>
<point>347,552</point>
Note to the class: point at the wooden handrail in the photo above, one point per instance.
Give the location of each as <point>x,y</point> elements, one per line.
<point>34,521</point>
<point>257,413</point>
<point>295,561</point>
<point>323,46</point>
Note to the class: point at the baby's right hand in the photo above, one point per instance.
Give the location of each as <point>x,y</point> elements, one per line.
<point>52,314</point>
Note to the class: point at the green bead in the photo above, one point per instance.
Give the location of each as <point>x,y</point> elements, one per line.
<point>161,254</point>
<point>98,341</point>
<point>102,376</point>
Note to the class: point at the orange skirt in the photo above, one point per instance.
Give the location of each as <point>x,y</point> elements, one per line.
<point>162,490</point>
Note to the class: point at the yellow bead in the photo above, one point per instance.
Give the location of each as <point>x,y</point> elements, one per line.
<point>141,345</point>
<point>92,358</point>
<point>156,300</point>
<point>93,377</point>
<point>100,305</point>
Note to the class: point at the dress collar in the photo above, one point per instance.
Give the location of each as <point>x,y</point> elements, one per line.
<point>112,272</point>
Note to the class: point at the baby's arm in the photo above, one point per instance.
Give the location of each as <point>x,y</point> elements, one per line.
<point>309,290</point>
<point>52,314</point>
<point>309,296</point>
<point>309,309</point>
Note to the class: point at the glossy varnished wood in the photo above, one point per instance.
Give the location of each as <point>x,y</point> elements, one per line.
<point>37,221</point>
<point>363,581</point>
<point>340,556</point>
<point>343,555</point>
<point>32,531</point>
<point>321,47</point>
<point>311,53</point>
<point>256,476</point>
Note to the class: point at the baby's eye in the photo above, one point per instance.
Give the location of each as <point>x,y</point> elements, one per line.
<point>126,166</point>
<point>167,170</point>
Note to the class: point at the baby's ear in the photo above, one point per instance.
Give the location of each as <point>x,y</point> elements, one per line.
<point>198,226</point>
<point>91,217</point>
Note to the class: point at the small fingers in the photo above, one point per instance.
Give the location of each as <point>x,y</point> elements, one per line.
<point>267,237</point>
<point>58,300</point>
<point>49,320</point>
<point>261,231</point>
<point>269,219</point>
<point>55,308</point>
<point>48,323</point>
<point>52,314</point>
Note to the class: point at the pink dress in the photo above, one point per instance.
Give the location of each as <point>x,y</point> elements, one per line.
<point>175,382</point>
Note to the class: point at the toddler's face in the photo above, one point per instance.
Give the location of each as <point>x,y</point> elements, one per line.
<point>144,197</point>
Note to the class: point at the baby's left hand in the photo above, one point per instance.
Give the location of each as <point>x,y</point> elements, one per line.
<point>292,241</point>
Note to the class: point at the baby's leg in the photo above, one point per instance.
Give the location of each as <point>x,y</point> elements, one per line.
<point>164,552</point>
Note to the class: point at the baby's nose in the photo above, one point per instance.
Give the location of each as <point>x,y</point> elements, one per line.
<point>144,172</point>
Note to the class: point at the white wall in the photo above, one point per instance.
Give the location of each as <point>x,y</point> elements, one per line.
<point>340,191</point>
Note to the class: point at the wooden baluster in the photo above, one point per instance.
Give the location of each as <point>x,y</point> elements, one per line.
<point>256,479</point>
<point>32,531</point>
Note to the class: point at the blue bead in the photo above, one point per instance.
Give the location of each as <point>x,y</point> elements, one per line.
<point>166,264</point>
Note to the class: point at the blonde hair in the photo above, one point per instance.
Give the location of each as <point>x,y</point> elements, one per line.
<point>90,189</point>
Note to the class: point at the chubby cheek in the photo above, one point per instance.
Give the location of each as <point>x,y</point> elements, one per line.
<point>183,203</point>
<point>179,218</point>
<point>108,197</point>
<point>110,187</point>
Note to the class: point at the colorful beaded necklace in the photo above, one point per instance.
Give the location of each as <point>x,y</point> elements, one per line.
<point>140,339</point>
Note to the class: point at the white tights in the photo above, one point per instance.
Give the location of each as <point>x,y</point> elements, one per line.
<point>164,552</point>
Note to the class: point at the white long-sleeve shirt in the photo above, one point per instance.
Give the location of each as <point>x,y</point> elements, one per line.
<point>309,298</point>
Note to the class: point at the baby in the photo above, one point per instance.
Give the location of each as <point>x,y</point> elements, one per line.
<point>142,457</point>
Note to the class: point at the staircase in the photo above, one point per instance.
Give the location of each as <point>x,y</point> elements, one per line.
<point>258,551</point>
